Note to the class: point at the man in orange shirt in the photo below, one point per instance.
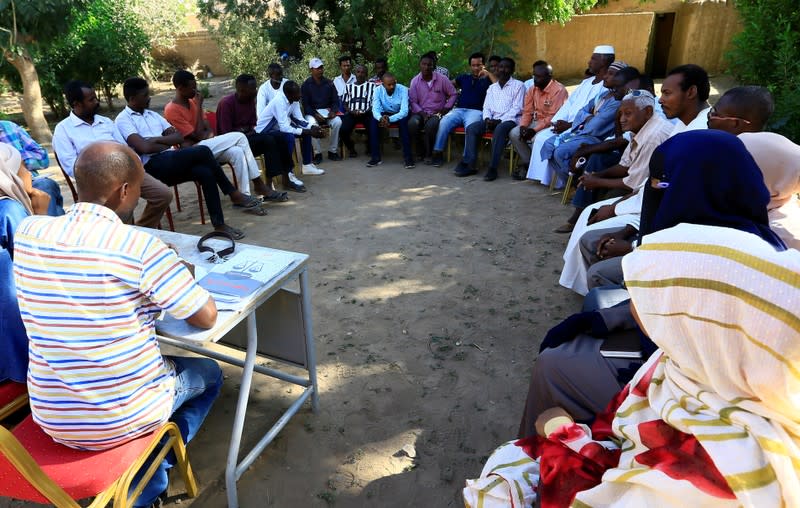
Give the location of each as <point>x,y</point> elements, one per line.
<point>185,113</point>
<point>542,101</point>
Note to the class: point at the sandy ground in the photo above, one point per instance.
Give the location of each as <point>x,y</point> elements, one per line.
<point>430,294</point>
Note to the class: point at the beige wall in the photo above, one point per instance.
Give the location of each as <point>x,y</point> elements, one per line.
<point>701,35</point>
<point>200,47</point>
<point>568,48</point>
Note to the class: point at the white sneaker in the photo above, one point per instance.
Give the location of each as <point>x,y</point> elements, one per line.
<point>310,169</point>
<point>294,179</point>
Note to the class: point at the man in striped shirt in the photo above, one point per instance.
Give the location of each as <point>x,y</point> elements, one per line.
<point>357,104</point>
<point>90,290</point>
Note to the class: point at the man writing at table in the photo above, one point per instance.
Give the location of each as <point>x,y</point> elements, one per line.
<point>90,289</point>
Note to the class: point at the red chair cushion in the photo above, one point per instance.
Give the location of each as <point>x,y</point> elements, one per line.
<point>359,126</point>
<point>487,135</point>
<point>211,118</point>
<point>9,391</point>
<point>460,130</point>
<point>81,473</point>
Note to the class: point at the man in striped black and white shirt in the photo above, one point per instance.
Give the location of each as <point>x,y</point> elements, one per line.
<point>90,290</point>
<point>357,103</point>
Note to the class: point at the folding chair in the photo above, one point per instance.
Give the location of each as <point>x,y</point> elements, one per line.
<point>168,213</point>
<point>13,397</point>
<point>36,468</point>
<point>487,136</point>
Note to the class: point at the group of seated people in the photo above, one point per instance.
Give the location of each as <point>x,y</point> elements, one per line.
<point>684,238</point>
<point>684,241</point>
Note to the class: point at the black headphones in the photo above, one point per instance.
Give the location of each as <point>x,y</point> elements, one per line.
<point>216,255</point>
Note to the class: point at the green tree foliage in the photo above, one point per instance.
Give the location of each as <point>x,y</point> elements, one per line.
<point>767,53</point>
<point>105,46</point>
<point>322,44</point>
<point>244,47</point>
<point>533,11</point>
<point>24,26</point>
<point>454,34</point>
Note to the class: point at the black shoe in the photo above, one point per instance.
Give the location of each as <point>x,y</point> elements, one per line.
<point>295,187</point>
<point>464,170</point>
<point>437,160</point>
<point>318,158</point>
<point>491,175</point>
<point>409,164</point>
<point>333,156</point>
<point>374,162</point>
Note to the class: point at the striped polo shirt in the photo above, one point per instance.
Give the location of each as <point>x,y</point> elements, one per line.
<point>90,289</point>
<point>359,97</point>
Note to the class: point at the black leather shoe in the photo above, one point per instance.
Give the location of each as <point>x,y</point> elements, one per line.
<point>464,170</point>
<point>333,156</point>
<point>317,158</point>
<point>491,175</point>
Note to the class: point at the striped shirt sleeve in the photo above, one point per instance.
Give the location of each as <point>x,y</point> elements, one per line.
<point>168,283</point>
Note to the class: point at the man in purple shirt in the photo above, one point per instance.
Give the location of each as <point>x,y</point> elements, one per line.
<point>237,113</point>
<point>431,95</point>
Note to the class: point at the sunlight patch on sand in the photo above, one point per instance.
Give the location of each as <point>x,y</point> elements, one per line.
<point>393,289</point>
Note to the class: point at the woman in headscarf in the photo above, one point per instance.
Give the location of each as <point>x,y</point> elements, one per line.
<point>18,199</point>
<point>698,177</point>
<point>779,160</point>
<point>712,418</point>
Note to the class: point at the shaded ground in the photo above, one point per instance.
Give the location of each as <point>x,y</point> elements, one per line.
<point>430,295</point>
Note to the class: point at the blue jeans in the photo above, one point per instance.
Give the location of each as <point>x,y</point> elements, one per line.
<point>562,153</point>
<point>458,117</point>
<point>51,188</point>
<point>597,162</point>
<point>375,139</point>
<point>499,142</point>
<point>306,152</point>
<point>197,384</point>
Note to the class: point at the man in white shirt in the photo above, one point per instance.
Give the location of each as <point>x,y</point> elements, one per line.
<point>502,110</point>
<point>154,139</point>
<point>345,78</point>
<point>602,57</point>
<point>84,126</point>
<point>684,95</point>
<point>271,87</point>
<point>283,114</point>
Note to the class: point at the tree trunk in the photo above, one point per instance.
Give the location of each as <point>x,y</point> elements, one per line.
<point>31,95</point>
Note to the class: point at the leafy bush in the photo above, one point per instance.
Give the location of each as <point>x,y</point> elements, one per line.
<point>454,34</point>
<point>767,53</point>
<point>244,47</point>
<point>320,43</point>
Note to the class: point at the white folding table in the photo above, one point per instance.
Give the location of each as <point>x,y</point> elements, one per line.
<point>297,348</point>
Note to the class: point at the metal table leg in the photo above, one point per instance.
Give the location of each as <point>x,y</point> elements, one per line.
<point>311,352</point>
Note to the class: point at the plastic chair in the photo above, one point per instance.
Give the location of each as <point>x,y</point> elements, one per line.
<point>168,213</point>
<point>488,137</point>
<point>13,397</point>
<point>35,468</point>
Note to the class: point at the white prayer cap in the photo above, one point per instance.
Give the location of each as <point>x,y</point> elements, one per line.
<point>314,63</point>
<point>604,49</point>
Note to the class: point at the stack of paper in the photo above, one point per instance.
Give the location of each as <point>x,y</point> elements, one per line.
<point>244,273</point>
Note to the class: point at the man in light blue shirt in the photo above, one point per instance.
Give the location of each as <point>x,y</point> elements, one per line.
<point>389,106</point>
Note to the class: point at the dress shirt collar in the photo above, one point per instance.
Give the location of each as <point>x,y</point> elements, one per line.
<point>83,209</point>
<point>76,120</point>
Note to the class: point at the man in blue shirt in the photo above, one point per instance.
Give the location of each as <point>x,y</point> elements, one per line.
<point>591,125</point>
<point>389,106</point>
<point>469,106</point>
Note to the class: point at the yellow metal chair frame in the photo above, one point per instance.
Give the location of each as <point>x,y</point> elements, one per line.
<point>118,490</point>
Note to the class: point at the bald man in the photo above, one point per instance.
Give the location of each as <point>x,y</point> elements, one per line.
<point>99,379</point>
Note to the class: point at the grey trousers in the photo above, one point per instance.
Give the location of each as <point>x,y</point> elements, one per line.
<point>576,377</point>
<point>601,272</point>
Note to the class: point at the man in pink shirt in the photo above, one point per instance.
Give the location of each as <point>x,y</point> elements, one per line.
<point>430,96</point>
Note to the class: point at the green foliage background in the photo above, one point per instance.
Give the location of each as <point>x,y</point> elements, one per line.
<point>767,53</point>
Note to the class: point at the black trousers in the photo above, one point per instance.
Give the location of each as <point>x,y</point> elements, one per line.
<point>272,145</point>
<point>424,140</point>
<point>193,164</point>
<point>349,121</point>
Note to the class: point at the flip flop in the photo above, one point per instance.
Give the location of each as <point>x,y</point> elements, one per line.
<point>250,202</point>
<point>256,210</point>
<point>237,234</point>
<point>276,196</point>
